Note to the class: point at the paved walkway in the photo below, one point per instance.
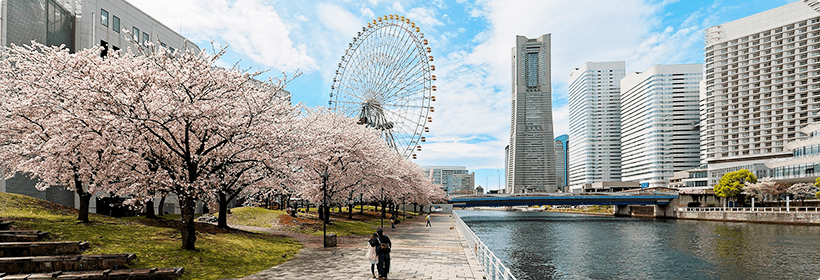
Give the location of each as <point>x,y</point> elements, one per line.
<point>418,253</point>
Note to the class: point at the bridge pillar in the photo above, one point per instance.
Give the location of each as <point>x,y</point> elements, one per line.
<point>666,211</point>
<point>621,210</point>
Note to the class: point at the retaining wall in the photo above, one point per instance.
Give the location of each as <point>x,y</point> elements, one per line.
<point>755,217</point>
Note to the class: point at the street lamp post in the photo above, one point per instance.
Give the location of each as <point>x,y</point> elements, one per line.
<point>324,206</point>
<point>382,215</point>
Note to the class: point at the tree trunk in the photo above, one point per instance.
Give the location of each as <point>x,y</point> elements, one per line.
<point>321,213</point>
<point>222,220</point>
<point>204,207</point>
<point>327,214</point>
<point>149,209</point>
<point>162,206</point>
<point>361,203</point>
<point>350,211</point>
<point>384,214</point>
<point>340,208</point>
<point>188,206</point>
<point>85,200</point>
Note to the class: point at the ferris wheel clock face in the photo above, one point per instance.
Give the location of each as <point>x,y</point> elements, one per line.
<point>385,81</point>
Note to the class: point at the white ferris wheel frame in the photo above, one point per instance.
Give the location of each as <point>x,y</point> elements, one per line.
<point>385,78</point>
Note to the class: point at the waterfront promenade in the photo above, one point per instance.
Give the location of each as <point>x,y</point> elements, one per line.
<point>418,253</point>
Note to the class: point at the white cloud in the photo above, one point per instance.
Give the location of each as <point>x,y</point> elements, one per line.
<point>338,19</point>
<point>367,13</point>
<point>251,27</point>
<point>424,16</point>
<point>474,85</point>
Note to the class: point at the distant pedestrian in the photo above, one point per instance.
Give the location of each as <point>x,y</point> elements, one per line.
<point>428,221</point>
<point>371,253</point>
<point>384,254</point>
<point>393,222</point>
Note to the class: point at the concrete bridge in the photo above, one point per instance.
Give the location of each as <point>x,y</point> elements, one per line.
<point>650,203</point>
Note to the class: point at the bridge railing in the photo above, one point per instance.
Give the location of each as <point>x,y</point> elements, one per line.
<point>750,209</point>
<point>493,268</point>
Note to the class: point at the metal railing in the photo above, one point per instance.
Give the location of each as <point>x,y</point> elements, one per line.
<point>493,268</point>
<point>750,209</point>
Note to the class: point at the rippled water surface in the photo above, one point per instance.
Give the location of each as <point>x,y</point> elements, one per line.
<point>543,245</point>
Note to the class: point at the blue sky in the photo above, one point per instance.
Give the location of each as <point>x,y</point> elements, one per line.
<point>471,41</point>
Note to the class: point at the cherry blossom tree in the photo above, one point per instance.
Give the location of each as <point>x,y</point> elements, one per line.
<point>349,153</point>
<point>48,129</point>
<point>802,191</point>
<point>760,188</point>
<point>204,129</point>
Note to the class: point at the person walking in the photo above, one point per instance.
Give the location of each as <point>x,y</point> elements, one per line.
<point>371,253</point>
<point>383,250</point>
<point>428,221</point>
<point>393,222</point>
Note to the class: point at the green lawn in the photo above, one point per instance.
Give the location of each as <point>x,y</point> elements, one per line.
<point>309,223</point>
<point>220,254</point>
<point>254,216</point>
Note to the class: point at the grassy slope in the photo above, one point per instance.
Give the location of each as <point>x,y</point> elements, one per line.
<point>309,223</point>
<point>221,254</point>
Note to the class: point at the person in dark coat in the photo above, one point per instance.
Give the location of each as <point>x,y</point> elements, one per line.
<point>383,250</point>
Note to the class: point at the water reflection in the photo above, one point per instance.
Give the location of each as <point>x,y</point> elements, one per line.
<point>538,245</point>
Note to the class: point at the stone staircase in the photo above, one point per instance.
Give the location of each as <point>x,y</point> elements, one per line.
<point>24,256</point>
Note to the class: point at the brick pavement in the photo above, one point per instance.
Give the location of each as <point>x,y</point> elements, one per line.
<point>418,253</point>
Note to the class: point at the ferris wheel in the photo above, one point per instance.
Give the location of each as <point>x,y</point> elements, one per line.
<point>384,80</point>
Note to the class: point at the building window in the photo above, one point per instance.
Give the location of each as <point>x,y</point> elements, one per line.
<point>115,24</point>
<point>103,17</point>
<point>145,38</point>
<point>136,34</point>
<point>104,51</point>
<point>531,79</point>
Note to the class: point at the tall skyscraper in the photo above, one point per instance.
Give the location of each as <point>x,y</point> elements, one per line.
<point>561,161</point>
<point>595,123</point>
<point>660,134</point>
<point>761,87</point>
<point>531,162</point>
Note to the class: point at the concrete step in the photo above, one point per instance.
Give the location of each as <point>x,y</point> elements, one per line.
<point>22,235</point>
<point>5,225</point>
<point>42,264</point>
<point>131,274</point>
<point>25,249</point>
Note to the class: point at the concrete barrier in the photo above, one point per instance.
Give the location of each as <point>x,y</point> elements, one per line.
<point>809,218</point>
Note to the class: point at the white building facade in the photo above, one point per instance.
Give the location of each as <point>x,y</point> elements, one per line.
<point>762,85</point>
<point>595,123</point>
<point>660,133</point>
<point>531,163</point>
<point>804,165</point>
<point>441,176</point>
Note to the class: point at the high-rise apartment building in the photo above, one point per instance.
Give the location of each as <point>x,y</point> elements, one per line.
<point>762,85</point>
<point>660,134</point>
<point>561,161</point>
<point>595,123</point>
<point>531,162</point>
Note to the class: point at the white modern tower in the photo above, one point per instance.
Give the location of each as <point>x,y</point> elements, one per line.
<point>531,162</point>
<point>762,85</point>
<point>660,133</point>
<point>595,123</point>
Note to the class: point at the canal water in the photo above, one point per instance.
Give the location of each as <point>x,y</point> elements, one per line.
<point>546,245</point>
